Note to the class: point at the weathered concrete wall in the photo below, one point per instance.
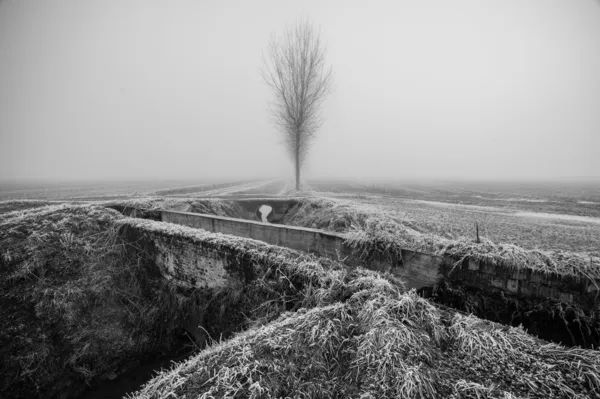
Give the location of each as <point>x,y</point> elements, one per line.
<point>418,269</point>
<point>524,283</point>
<point>185,260</point>
<point>308,240</point>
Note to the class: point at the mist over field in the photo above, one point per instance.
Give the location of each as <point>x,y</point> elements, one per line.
<point>127,90</point>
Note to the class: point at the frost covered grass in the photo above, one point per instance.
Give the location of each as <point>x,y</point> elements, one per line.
<point>376,234</point>
<point>557,263</point>
<point>73,305</point>
<point>77,306</point>
<point>150,207</point>
<point>380,344</point>
<point>263,186</point>
<point>501,225</point>
<point>8,206</point>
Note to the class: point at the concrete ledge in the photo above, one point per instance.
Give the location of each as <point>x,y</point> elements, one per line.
<point>314,241</point>
<point>417,269</point>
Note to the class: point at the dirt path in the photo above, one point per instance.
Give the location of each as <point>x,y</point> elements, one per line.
<point>287,187</point>
<point>236,189</point>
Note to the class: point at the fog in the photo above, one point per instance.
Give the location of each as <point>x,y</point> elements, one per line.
<point>123,89</point>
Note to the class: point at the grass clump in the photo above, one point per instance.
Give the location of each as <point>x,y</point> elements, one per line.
<point>555,263</point>
<point>146,207</point>
<point>7,206</point>
<point>371,235</point>
<point>217,207</point>
<point>325,214</point>
<point>150,207</point>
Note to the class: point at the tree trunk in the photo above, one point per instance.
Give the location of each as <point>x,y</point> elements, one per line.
<point>297,167</point>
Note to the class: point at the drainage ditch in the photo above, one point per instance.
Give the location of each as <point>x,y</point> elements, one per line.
<point>223,312</point>
<point>550,320</point>
<point>137,372</point>
<point>285,285</point>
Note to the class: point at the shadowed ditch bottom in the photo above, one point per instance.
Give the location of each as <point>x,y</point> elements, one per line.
<point>138,372</point>
<point>547,319</point>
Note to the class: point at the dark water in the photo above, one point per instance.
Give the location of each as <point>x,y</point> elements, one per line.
<point>133,379</point>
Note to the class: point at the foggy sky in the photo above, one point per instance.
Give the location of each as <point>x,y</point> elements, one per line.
<point>423,89</point>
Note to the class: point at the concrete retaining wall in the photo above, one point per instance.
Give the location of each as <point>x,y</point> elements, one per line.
<point>308,240</point>
<point>184,260</point>
<point>418,269</point>
<point>524,283</point>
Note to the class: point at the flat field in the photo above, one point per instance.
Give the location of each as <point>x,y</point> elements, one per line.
<point>547,216</point>
<point>532,215</point>
<point>92,190</point>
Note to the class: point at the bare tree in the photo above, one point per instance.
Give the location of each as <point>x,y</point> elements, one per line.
<point>295,70</point>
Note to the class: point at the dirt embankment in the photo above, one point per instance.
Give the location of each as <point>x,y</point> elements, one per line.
<point>74,308</point>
